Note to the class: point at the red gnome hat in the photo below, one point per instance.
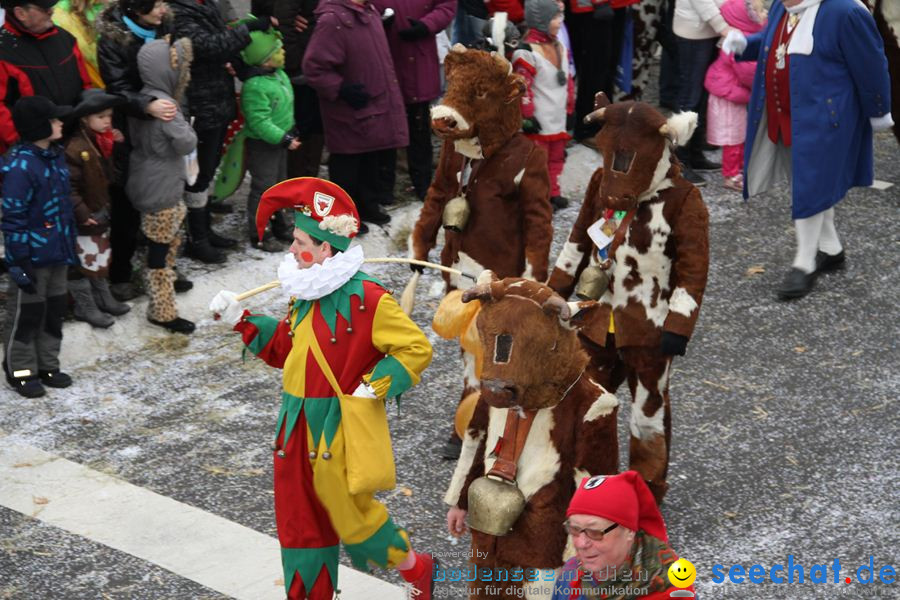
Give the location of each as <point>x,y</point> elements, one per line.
<point>321,208</point>
<point>624,499</point>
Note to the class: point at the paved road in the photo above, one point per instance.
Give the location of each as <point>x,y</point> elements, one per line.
<point>785,418</point>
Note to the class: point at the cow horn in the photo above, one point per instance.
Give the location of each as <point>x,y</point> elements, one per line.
<point>597,115</point>
<point>558,305</point>
<point>457,47</point>
<point>664,130</point>
<point>482,291</point>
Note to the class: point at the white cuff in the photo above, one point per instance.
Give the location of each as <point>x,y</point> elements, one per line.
<point>882,123</point>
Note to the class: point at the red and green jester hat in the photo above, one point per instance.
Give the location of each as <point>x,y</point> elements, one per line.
<point>371,346</point>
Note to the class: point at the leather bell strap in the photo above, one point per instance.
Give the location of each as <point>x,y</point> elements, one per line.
<point>619,235</point>
<point>511,444</point>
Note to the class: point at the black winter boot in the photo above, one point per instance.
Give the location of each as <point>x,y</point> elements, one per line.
<point>216,240</point>
<point>198,246</point>
<point>280,229</point>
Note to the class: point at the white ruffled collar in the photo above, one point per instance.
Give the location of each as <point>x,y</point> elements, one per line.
<point>318,281</point>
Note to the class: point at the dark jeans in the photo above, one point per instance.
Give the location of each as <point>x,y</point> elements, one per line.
<point>368,177</point>
<point>267,165</point>
<point>209,153</point>
<point>125,222</point>
<point>419,152</point>
<point>669,76</point>
<point>306,160</point>
<point>596,46</point>
<point>694,58</point>
<point>32,333</point>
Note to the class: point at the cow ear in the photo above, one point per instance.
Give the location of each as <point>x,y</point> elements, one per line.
<point>679,127</point>
<point>515,88</point>
<point>556,304</point>
<point>482,292</point>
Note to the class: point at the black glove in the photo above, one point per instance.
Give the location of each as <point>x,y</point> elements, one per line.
<point>23,275</point>
<point>603,12</point>
<point>354,94</point>
<point>259,24</point>
<point>417,30</point>
<point>673,344</point>
<point>531,125</point>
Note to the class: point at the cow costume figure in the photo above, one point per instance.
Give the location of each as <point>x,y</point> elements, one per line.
<point>656,268</point>
<point>541,424</point>
<point>490,173</point>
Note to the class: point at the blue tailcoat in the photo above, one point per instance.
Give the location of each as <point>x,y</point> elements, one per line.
<point>834,91</point>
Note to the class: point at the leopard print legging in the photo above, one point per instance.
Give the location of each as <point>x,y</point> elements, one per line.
<point>163,227</point>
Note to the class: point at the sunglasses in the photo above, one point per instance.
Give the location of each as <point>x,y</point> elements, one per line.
<point>593,534</point>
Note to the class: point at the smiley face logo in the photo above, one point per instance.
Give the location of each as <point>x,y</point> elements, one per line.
<point>682,573</point>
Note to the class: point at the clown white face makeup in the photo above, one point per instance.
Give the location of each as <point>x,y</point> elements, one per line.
<point>604,559</point>
<point>306,252</point>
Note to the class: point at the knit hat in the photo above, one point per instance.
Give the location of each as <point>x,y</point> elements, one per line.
<point>321,208</point>
<point>93,101</point>
<point>31,116</point>
<point>624,499</point>
<point>44,4</point>
<point>134,8</point>
<point>262,46</point>
<point>539,13</point>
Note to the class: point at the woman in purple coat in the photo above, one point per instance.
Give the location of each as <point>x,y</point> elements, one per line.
<point>349,65</point>
<point>410,36</point>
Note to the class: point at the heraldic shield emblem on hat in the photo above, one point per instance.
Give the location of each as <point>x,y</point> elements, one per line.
<point>322,203</point>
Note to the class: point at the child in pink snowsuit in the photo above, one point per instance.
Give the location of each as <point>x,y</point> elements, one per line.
<point>728,83</point>
<point>544,63</point>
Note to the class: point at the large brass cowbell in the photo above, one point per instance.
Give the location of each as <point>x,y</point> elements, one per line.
<point>494,505</point>
<point>456,214</point>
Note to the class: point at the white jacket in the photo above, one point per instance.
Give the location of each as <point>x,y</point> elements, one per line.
<point>698,19</point>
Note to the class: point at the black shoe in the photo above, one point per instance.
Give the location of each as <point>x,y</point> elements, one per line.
<point>559,202</point>
<point>797,283</point>
<point>280,229</point>
<point>125,291</point>
<point>451,449</point>
<point>387,201</point>
<point>689,174</point>
<point>826,263</point>
<point>176,325</point>
<point>375,217</point>
<point>30,387</point>
<point>268,244</point>
<point>55,378</point>
<point>220,241</point>
<point>220,207</point>
<point>702,164</point>
<point>182,285</point>
<point>204,252</point>
<point>363,229</point>
<point>707,147</point>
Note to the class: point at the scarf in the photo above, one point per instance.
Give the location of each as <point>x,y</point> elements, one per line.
<point>104,143</point>
<point>319,280</point>
<point>148,35</point>
<point>644,572</point>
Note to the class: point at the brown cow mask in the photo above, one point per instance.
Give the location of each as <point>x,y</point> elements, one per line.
<point>482,100</point>
<point>531,356</point>
<point>636,141</point>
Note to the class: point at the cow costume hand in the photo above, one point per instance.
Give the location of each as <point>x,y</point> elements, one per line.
<point>354,94</point>
<point>673,344</point>
<point>417,30</point>
<point>735,42</point>
<point>226,306</point>
<point>531,125</point>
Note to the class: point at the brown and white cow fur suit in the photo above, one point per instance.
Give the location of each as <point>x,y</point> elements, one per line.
<point>502,174</point>
<point>659,262</point>
<point>542,369</point>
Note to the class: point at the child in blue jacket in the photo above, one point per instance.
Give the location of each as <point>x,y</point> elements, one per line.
<point>39,232</point>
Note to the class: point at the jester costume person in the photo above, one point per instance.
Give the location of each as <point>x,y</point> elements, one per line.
<point>343,333</point>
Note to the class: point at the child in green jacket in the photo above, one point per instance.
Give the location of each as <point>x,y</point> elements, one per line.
<point>267,101</point>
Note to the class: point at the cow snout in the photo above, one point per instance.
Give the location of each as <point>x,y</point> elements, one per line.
<point>444,125</point>
<point>499,393</point>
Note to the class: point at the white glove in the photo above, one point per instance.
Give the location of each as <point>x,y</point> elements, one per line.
<point>882,123</point>
<point>735,42</point>
<point>364,390</point>
<point>226,305</point>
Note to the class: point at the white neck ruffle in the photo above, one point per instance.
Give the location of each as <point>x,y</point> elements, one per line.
<point>319,280</point>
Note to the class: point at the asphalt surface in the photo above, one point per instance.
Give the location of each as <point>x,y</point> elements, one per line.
<point>785,418</point>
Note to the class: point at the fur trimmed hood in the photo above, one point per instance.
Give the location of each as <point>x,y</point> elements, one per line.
<point>109,25</point>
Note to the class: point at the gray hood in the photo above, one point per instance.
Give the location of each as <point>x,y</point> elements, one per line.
<point>165,67</point>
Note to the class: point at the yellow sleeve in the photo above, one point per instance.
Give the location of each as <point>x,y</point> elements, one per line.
<point>407,350</point>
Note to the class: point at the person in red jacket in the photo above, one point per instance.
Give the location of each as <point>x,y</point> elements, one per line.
<point>36,59</point>
<point>621,545</point>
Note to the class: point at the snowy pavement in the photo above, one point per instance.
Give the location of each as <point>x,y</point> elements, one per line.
<point>785,423</point>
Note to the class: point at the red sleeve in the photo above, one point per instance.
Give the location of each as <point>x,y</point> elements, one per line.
<point>268,339</point>
<point>527,71</point>
<point>82,70</point>
<point>570,99</point>
<point>8,134</point>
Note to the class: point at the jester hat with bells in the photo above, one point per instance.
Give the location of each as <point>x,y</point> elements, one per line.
<point>321,208</point>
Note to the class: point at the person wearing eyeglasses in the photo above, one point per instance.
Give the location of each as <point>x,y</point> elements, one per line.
<point>621,546</point>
